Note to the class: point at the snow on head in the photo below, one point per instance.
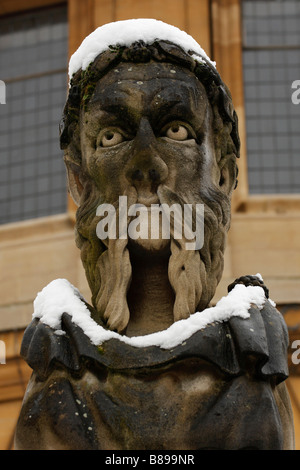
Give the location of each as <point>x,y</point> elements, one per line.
<point>125,33</point>
<point>61,297</point>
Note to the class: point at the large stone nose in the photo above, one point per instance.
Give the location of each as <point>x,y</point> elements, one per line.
<point>146,169</point>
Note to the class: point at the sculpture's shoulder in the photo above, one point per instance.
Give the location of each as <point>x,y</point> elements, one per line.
<point>74,382</point>
<point>264,332</point>
<point>263,336</point>
<point>46,349</point>
<point>225,341</point>
<point>56,413</point>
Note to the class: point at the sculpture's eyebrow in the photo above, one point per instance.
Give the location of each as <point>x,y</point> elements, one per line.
<point>112,108</point>
<point>182,104</point>
<point>128,118</point>
<point>176,107</point>
<point>118,116</point>
<point>126,105</point>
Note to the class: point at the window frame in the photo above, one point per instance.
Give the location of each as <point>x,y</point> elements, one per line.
<point>227,48</point>
<point>15,8</point>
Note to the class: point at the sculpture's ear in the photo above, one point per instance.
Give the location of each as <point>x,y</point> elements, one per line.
<point>74,174</point>
<point>228,174</point>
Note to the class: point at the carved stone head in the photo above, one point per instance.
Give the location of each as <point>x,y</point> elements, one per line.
<point>152,122</point>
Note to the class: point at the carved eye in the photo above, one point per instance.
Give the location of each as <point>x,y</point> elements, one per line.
<point>178,132</point>
<point>109,138</point>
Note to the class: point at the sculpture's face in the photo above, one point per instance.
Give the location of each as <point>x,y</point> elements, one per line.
<point>149,133</point>
<point>148,128</point>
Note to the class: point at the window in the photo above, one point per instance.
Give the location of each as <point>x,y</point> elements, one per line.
<point>271,63</point>
<point>33,66</point>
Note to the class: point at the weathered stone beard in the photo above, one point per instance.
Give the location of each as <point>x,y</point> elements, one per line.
<point>108,266</point>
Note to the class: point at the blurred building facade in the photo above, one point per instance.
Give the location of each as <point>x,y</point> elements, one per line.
<point>256,47</point>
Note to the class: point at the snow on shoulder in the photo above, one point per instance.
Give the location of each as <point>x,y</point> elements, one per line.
<point>60,297</point>
<point>125,33</point>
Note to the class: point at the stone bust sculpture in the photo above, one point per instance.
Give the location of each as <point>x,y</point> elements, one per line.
<point>150,365</point>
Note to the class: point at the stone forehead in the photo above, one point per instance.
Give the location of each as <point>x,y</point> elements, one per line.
<point>174,82</point>
<point>144,72</point>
